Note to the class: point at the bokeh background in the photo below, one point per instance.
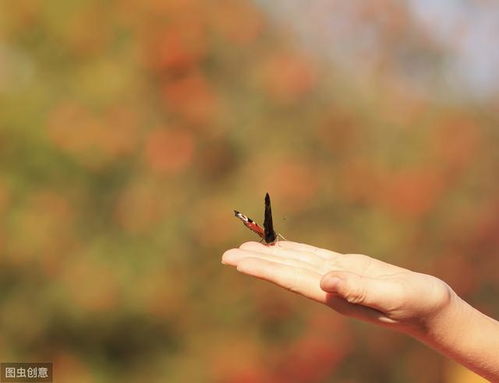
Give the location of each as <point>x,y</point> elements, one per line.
<point>129,130</point>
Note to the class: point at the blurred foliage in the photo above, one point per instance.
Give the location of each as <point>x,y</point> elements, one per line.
<point>129,130</point>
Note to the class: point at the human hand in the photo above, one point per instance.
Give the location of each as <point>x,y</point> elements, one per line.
<point>368,289</point>
<point>352,284</point>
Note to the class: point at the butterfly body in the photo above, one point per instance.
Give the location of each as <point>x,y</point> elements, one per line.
<point>267,233</point>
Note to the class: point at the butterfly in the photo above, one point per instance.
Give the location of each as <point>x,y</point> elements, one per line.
<point>267,233</point>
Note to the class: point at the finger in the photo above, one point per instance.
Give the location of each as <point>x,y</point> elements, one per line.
<point>229,257</point>
<point>277,250</point>
<point>321,259</point>
<point>234,256</point>
<point>359,290</point>
<point>303,282</point>
<point>290,245</point>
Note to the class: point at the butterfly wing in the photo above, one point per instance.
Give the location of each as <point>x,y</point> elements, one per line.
<point>269,235</point>
<point>250,224</point>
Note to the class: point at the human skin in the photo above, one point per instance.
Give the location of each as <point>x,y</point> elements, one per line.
<point>368,289</point>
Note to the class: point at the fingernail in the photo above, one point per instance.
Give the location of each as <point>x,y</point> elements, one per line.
<point>333,281</point>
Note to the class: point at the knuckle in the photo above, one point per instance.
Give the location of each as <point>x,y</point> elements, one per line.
<point>356,296</point>
<point>363,262</point>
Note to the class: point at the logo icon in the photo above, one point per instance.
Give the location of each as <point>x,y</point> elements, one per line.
<point>25,372</point>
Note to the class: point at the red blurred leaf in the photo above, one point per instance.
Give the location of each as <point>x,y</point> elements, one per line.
<point>288,77</point>
<point>169,151</point>
<point>192,98</point>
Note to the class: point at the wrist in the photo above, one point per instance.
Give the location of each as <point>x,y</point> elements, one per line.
<point>431,315</point>
<point>464,334</point>
<point>445,320</point>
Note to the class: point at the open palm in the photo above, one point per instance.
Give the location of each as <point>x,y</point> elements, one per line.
<point>352,284</point>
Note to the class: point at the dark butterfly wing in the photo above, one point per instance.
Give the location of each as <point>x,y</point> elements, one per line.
<point>269,235</point>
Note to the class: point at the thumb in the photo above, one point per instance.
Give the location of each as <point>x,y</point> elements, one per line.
<point>355,289</point>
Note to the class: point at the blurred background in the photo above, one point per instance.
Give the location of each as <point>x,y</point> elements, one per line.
<point>130,130</point>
